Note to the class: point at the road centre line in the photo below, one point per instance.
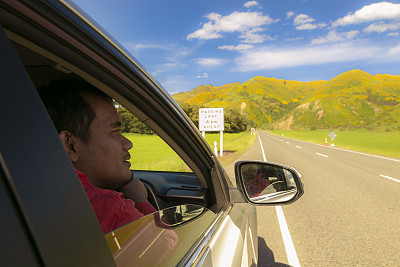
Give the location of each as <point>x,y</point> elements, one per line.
<point>361,153</point>
<point>388,177</point>
<point>298,146</point>
<point>322,155</point>
<point>352,151</point>
<point>287,239</point>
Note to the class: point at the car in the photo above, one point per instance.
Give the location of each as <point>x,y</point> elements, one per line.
<point>202,217</point>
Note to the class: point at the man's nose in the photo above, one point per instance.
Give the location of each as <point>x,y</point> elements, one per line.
<point>126,143</point>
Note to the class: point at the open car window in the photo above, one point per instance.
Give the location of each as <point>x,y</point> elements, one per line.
<point>149,151</point>
<point>167,177</point>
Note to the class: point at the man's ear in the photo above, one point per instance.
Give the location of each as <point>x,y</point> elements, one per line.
<point>69,142</point>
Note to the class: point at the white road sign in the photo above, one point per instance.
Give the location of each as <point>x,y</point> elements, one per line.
<point>332,135</point>
<point>211,119</point>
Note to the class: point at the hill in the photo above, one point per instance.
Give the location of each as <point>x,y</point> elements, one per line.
<point>354,99</point>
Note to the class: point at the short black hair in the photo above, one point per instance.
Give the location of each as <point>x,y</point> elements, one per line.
<point>67,108</point>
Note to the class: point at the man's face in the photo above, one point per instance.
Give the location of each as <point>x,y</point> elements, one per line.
<point>105,158</point>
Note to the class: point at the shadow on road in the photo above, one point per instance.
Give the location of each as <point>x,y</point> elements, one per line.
<point>266,256</point>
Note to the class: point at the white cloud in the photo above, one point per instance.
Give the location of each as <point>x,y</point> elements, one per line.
<point>306,26</point>
<point>273,58</point>
<point>289,14</point>
<point>177,83</point>
<point>239,47</point>
<point>302,19</point>
<point>235,22</point>
<point>136,47</point>
<point>395,51</point>
<point>173,50</point>
<point>294,39</point>
<point>166,67</point>
<point>304,22</point>
<point>253,37</point>
<point>334,36</point>
<point>382,27</point>
<point>393,34</point>
<point>251,3</point>
<point>204,75</point>
<point>376,11</point>
<point>210,62</point>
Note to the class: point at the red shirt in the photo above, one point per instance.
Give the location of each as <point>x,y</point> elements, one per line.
<point>111,208</point>
<point>257,185</point>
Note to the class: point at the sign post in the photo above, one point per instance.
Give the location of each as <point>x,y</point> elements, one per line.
<point>332,135</point>
<point>221,143</point>
<point>212,120</point>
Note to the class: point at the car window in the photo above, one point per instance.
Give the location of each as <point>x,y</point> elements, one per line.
<point>162,238</point>
<point>168,178</point>
<point>149,151</point>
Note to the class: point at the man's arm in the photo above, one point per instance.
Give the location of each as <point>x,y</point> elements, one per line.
<point>135,191</point>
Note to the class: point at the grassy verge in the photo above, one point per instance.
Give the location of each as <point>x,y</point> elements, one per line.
<point>234,144</point>
<point>379,143</point>
<point>150,152</point>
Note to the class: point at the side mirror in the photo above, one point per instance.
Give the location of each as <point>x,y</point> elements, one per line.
<point>268,183</point>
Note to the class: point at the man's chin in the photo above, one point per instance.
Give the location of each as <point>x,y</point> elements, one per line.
<point>128,179</point>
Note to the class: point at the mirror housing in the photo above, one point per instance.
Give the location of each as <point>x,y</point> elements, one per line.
<point>267,183</point>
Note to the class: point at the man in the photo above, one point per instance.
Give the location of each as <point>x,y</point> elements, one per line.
<point>89,128</point>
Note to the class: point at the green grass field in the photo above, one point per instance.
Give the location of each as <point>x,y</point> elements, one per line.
<point>235,144</point>
<point>150,152</point>
<point>379,143</point>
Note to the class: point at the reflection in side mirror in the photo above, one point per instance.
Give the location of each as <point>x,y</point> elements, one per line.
<point>268,183</point>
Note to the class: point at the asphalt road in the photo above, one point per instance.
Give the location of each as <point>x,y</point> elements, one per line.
<point>348,216</point>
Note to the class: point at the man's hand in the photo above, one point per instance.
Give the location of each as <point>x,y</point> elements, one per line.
<point>135,190</point>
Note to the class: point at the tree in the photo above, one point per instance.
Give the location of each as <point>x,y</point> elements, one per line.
<point>192,111</point>
<point>234,121</point>
<point>131,124</point>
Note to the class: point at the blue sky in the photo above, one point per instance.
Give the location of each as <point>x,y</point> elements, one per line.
<point>187,43</point>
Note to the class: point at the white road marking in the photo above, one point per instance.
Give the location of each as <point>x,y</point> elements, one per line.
<point>352,151</point>
<point>252,242</point>
<point>287,143</point>
<point>365,154</point>
<point>262,149</point>
<point>298,146</point>
<point>287,239</point>
<point>390,178</point>
<point>322,155</point>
